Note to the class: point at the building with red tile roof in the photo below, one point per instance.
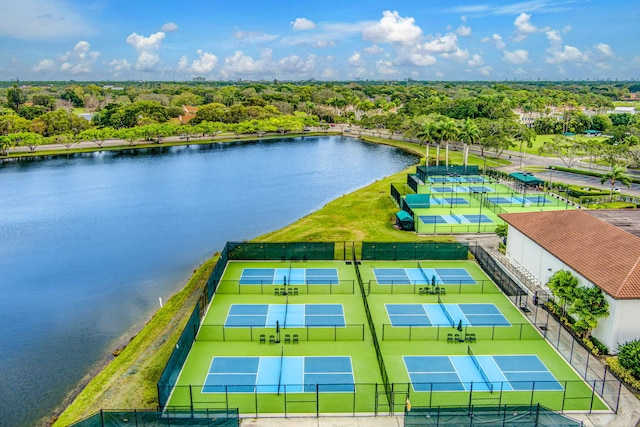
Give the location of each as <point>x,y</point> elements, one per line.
<point>596,251</point>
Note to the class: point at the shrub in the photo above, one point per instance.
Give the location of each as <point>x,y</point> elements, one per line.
<point>629,356</point>
<point>621,372</point>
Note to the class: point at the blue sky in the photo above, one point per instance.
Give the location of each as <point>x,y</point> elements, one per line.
<point>324,40</point>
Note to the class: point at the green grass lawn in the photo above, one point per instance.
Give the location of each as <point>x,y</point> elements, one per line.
<point>541,139</point>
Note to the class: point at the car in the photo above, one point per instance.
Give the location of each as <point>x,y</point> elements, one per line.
<point>616,190</point>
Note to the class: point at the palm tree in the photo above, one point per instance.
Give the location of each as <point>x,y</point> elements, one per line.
<point>427,134</point>
<point>447,132</point>
<point>617,173</point>
<point>469,135</point>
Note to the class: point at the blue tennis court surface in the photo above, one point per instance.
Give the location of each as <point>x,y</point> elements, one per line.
<point>293,315</point>
<point>293,276</point>
<point>526,200</point>
<point>461,179</point>
<point>455,219</point>
<point>444,201</point>
<point>445,314</point>
<point>492,373</point>
<point>275,374</point>
<point>423,276</point>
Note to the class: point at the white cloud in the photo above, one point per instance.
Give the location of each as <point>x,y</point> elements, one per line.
<point>463,31</point>
<point>373,50</point>
<point>518,56</point>
<point>567,54</point>
<point>119,65</point>
<point>141,43</point>
<point>475,61</point>
<point>147,61</point>
<point>42,19</point>
<point>80,60</point>
<point>458,54</point>
<point>554,36</point>
<point>147,47</point>
<point>386,67</point>
<point>329,74</point>
<point>254,36</point>
<point>441,44</point>
<point>496,39</point>
<point>325,43</point>
<point>295,65</point>
<point>392,28</point>
<point>419,59</point>
<point>546,6</point>
<point>604,50</point>
<point>558,54</point>
<point>205,63</point>
<point>356,59</point>
<point>240,65</point>
<point>485,71</point>
<point>303,24</point>
<point>45,66</point>
<point>524,27</point>
<point>169,27</point>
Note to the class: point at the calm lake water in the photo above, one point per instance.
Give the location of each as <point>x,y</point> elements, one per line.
<point>88,243</point>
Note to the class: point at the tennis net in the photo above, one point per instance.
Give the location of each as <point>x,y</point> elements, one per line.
<point>446,312</point>
<point>286,310</point>
<point>280,375</point>
<point>455,217</point>
<point>426,279</point>
<point>477,363</point>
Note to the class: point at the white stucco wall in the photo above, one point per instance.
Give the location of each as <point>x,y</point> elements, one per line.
<point>623,322</point>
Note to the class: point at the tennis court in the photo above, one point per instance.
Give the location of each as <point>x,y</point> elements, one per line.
<point>455,219</point>
<point>423,276</point>
<point>526,200</point>
<point>445,314</point>
<point>480,373</point>
<point>461,189</point>
<point>449,201</point>
<point>457,179</point>
<point>295,315</point>
<point>277,374</point>
<point>290,276</point>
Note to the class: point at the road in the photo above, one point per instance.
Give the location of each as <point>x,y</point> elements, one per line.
<point>517,163</point>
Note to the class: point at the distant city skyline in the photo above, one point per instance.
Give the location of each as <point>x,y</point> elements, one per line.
<point>329,40</point>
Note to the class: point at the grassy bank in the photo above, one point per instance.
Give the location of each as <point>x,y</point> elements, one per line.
<point>129,380</point>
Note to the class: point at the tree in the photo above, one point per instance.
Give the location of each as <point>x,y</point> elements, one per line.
<point>428,134</point>
<point>469,135</point>
<point>15,98</point>
<point>97,136</point>
<point>563,148</point>
<point>27,139</point>
<point>6,142</point>
<point>563,286</point>
<point>629,356</point>
<point>447,132</point>
<point>589,305</point>
<point>617,173</point>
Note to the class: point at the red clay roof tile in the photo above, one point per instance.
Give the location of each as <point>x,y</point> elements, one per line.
<point>604,254</point>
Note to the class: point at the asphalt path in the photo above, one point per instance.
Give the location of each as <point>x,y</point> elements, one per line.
<point>518,162</point>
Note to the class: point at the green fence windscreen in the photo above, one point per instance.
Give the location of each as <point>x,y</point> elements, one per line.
<point>372,251</point>
<point>296,251</point>
<point>530,416</point>
<point>211,418</point>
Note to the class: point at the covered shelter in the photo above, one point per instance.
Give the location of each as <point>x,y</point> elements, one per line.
<point>404,220</point>
<point>526,180</point>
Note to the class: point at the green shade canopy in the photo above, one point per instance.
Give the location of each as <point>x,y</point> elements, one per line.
<point>526,179</point>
